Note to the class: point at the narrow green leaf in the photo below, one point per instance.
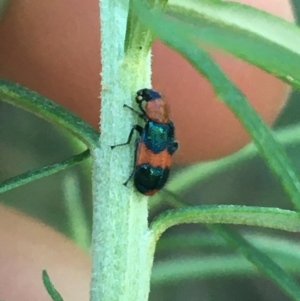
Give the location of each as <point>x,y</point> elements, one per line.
<point>48,110</point>
<point>268,42</point>
<point>77,219</point>
<point>296,9</point>
<point>226,91</point>
<point>172,271</point>
<point>257,257</point>
<point>54,294</point>
<point>39,173</point>
<point>274,244</point>
<point>260,260</point>
<point>274,218</point>
<point>176,270</point>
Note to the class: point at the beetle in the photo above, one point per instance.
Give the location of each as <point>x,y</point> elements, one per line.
<point>155,145</point>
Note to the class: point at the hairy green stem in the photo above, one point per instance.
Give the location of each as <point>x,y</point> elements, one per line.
<point>122,253</point>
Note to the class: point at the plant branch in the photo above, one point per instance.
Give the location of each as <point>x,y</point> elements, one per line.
<point>122,249</point>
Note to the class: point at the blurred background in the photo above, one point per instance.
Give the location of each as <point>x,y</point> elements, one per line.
<point>27,142</point>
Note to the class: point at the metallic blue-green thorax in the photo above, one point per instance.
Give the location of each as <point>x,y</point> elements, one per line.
<point>158,136</point>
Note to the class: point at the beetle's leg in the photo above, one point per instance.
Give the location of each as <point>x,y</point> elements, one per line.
<point>137,128</point>
<point>141,114</point>
<point>145,116</point>
<point>129,178</point>
<point>173,148</point>
<point>135,154</point>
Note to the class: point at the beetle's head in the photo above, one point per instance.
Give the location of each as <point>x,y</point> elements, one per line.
<point>146,95</point>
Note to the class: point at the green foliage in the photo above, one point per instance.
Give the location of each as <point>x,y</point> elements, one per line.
<point>227,214</point>
<point>78,221</point>
<point>48,110</point>
<point>39,173</point>
<point>54,294</point>
<point>267,42</point>
<point>272,151</point>
<point>261,260</point>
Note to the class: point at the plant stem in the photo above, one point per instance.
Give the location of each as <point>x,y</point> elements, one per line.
<point>121,252</point>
